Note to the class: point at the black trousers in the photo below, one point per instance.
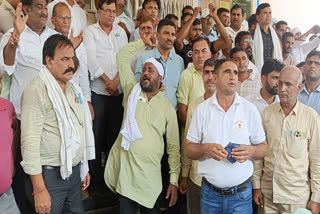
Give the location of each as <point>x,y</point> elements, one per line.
<point>21,184</point>
<point>107,122</point>
<point>128,206</point>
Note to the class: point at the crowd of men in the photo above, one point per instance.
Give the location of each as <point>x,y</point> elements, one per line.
<point>217,108</point>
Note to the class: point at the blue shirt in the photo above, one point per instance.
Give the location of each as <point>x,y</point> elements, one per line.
<point>172,70</point>
<point>212,36</point>
<point>312,99</point>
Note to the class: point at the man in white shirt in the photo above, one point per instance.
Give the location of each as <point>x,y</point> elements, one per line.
<point>79,17</point>
<point>7,14</point>
<point>61,20</point>
<point>21,57</point>
<point>248,79</point>
<point>122,17</point>
<point>236,18</point>
<point>220,120</point>
<point>268,94</point>
<point>302,49</point>
<point>102,41</point>
<point>287,47</point>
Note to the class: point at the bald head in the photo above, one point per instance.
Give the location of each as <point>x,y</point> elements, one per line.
<point>293,72</point>
<point>61,18</point>
<point>290,84</point>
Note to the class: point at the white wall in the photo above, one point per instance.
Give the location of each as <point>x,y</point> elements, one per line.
<point>297,13</point>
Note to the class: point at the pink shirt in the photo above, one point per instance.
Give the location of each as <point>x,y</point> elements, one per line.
<point>7,122</point>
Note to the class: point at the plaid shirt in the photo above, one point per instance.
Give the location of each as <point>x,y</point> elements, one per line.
<point>267,44</point>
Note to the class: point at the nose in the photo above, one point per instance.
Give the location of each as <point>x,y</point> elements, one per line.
<point>232,76</point>
<point>281,87</point>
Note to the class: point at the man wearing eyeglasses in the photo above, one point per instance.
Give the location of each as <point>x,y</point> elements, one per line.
<point>61,20</point>
<point>244,40</point>
<point>79,17</point>
<point>310,94</point>
<point>102,41</point>
<point>207,25</point>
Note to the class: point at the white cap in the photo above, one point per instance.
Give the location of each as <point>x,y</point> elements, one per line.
<point>157,64</point>
<point>205,13</point>
<point>296,30</point>
<point>274,21</point>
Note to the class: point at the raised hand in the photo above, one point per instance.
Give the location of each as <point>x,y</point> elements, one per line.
<point>150,40</point>
<point>197,10</point>
<point>76,41</point>
<point>20,21</point>
<point>213,10</point>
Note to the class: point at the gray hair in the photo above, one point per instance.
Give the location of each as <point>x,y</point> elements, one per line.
<point>296,69</point>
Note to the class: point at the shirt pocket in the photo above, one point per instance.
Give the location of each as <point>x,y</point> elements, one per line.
<point>297,146</point>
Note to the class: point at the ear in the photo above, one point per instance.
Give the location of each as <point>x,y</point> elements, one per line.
<point>53,21</point>
<point>215,77</point>
<point>300,87</point>
<point>263,79</point>
<point>160,77</point>
<point>25,9</point>
<point>157,35</point>
<point>48,62</point>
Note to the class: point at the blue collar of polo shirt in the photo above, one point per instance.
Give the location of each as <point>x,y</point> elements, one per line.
<point>158,55</point>
<point>306,91</point>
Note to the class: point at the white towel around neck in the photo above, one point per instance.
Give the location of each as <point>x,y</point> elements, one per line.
<point>258,47</point>
<point>70,137</point>
<point>130,131</point>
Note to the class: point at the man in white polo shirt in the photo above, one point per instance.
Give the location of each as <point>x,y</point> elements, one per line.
<point>225,134</point>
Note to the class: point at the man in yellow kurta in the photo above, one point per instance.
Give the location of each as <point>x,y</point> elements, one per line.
<point>134,166</point>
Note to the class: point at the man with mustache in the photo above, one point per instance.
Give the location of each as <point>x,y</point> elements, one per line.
<point>133,168</point>
<point>268,94</point>
<point>190,83</point>
<point>288,177</point>
<point>310,95</point>
<point>191,182</point>
<point>21,58</point>
<point>61,20</point>
<point>244,40</point>
<point>79,17</point>
<point>248,80</point>
<point>236,18</point>
<point>7,14</point>
<point>56,132</point>
<point>150,8</point>
<point>288,45</point>
<point>172,62</point>
<point>219,121</point>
